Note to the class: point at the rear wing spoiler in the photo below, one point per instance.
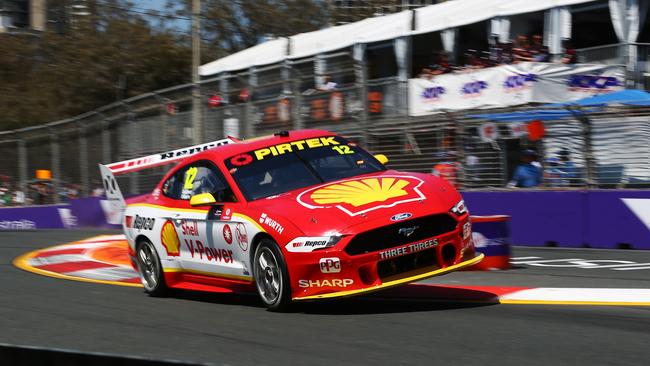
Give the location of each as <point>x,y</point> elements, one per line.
<point>133,165</point>
<point>115,200</point>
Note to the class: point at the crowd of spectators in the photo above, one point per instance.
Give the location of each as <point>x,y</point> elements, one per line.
<point>522,49</point>
<point>559,171</point>
<point>40,192</point>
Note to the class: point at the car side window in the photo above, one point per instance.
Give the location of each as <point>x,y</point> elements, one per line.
<point>173,185</point>
<point>199,177</point>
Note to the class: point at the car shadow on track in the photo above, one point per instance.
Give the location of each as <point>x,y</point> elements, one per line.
<point>410,298</point>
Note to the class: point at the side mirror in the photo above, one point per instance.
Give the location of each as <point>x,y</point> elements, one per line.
<point>383,159</point>
<point>202,199</point>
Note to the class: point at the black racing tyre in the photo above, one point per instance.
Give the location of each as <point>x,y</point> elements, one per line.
<point>271,276</point>
<point>150,269</point>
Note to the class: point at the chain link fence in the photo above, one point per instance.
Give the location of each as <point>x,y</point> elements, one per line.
<point>607,149</point>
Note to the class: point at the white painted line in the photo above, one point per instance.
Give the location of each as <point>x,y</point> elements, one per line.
<point>56,259</point>
<point>522,258</point>
<point>542,263</point>
<point>614,295</point>
<point>108,274</point>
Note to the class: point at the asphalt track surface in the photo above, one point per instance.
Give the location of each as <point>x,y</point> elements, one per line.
<point>236,330</point>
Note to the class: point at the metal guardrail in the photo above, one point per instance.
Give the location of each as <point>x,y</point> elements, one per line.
<point>373,113</point>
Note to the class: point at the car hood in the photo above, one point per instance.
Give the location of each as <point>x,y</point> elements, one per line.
<point>357,204</point>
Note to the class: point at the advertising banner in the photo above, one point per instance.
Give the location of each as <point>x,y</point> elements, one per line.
<point>84,212</point>
<point>597,219</point>
<point>510,85</point>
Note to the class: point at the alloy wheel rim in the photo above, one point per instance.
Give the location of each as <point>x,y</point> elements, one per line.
<point>148,268</point>
<point>267,276</point>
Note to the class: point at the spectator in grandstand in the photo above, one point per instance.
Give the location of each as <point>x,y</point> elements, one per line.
<point>473,60</point>
<point>527,174</point>
<point>538,52</point>
<point>505,56</point>
<point>41,193</point>
<point>536,45</point>
<point>570,55</point>
<point>442,65</point>
<point>98,191</point>
<point>327,84</point>
<point>5,196</point>
<point>521,50</point>
<point>19,197</point>
<point>541,55</point>
<point>425,73</point>
<point>447,169</point>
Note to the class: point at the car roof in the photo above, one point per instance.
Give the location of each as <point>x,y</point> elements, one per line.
<point>258,143</point>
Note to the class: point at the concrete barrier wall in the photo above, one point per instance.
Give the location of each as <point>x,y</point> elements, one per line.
<point>84,212</point>
<point>597,219</point>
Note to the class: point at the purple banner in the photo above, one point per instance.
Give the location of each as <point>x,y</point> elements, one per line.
<point>598,219</point>
<point>84,212</point>
<point>29,218</point>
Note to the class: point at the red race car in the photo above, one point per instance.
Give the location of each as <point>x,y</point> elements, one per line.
<point>301,215</point>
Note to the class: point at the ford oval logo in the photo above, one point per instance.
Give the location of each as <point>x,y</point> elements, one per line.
<point>401,216</point>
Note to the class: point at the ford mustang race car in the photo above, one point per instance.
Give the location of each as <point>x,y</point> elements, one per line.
<point>300,215</point>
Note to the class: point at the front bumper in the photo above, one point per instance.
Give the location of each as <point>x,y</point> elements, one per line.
<point>395,282</point>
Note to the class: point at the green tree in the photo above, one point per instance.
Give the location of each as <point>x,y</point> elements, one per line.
<point>70,70</point>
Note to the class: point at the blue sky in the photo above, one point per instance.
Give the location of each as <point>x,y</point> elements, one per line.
<point>160,6</point>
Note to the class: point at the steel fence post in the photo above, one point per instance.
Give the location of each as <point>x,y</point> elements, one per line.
<point>131,141</point>
<point>164,122</point>
<point>106,139</point>
<point>361,76</point>
<point>55,162</point>
<point>459,142</point>
<point>22,164</point>
<point>83,159</point>
<point>298,123</point>
<point>587,133</point>
<point>249,130</point>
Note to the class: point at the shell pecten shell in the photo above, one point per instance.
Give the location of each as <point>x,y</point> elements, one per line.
<point>361,192</point>
<point>169,239</point>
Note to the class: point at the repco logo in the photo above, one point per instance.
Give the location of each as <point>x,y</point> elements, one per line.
<point>143,223</point>
<point>330,265</point>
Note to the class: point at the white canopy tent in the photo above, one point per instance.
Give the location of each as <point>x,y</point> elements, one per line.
<point>269,52</point>
<point>433,18</point>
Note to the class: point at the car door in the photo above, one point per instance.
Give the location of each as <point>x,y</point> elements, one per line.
<point>213,242</point>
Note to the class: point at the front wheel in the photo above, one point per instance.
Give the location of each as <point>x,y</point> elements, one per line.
<point>271,276</point>
<point>150,269</point>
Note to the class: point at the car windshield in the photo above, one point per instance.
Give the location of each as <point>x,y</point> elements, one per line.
<point>284,167</point>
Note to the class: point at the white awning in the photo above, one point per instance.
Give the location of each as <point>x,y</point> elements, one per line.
<point>266,53</point>
<point>429,19</point>
<point>365,31</point>
<point>457,13</point>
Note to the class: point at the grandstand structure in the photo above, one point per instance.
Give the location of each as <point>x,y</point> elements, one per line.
<point>358,79</point>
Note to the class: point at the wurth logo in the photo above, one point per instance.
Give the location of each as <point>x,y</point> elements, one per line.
<point>266,220</point>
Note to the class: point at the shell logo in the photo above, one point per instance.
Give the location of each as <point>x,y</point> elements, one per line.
<point>358,196</point>
<point>169,239</point>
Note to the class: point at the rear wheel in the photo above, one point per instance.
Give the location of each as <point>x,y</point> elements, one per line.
<point>271,276</point>
<point>150,269</point>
